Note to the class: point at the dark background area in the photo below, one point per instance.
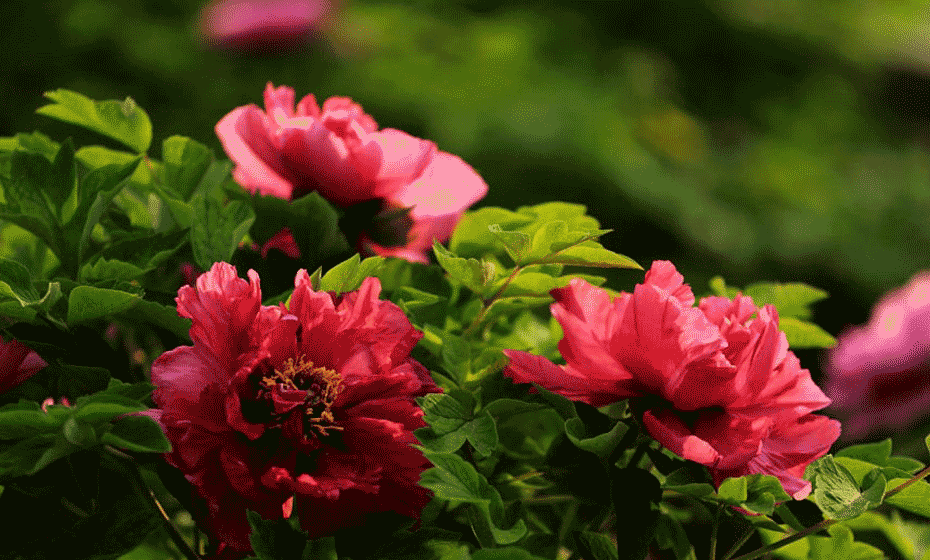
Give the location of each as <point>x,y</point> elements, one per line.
<point>762,140</point>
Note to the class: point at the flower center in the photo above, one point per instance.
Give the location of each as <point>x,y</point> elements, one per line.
<point>299,384</point>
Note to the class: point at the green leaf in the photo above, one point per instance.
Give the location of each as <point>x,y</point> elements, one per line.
<point>505,553</point>
<point>836,491</point>
<point>185,163</point>
<point>452,422</point>
<point>876,453</point>
<point>87,303</point>
<point>841,545</point>
<point>791,299</point>
<point>26,419</point>
<point>96,192</point>
<point>163,316</point>
<point>16,283</point>
<point>591,253</point>
<point>595,546</point>
<point>763,492</point>
<point>454,479</point>
<point>733,490</point>
<point>137,433</point>
<point>216,231</point>
<point>601,445</point>
<point>516,243</point>
<point>476,275</point>
<point>670,535</point>
<point>473,237</point>
<point>915,498</point>
<point>114,269</point>
<point>33,454</point>
<point>276,539</point>
<point>349,274</point>
<point>120,120</point>
<point>802,334</point>
<point>312,220</point>
<point>79,434</point>
<point>62,179</point>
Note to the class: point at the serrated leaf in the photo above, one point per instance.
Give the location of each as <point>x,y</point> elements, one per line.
<point>185,163</point>
<point>516,243</point>
<point>349,274</point>
<point>120,120</point>
<point>454,479</point>
<point>591,254</point>
<point>472,236</point>
<point>791,299</point>
<point>217,230</point>
<point>137,433</point>
<point>476,275</point>
<point>86,303</point>
<point>836,491</point>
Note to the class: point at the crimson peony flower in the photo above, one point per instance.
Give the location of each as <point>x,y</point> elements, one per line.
<point>254,25</point>
<point>339,152</point>
<point>308,405</point>
<point>878,373</point>
<point>715,384</point>
<point>17,364</point>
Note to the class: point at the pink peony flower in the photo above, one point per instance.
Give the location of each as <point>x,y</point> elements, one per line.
<point>17,364</point>
<point>307,406</point>
<point>339,152</point>
<point>877,374</point>
<point>254,25</point>
<point>715,384</point>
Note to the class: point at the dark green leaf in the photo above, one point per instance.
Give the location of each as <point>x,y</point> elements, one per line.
<point>61,180</point>
<point>280,539</point>
<point>97,191</point>
<point>87,303</point>
<point>602,444</point>
<point>31,455</point>
<point>79,434</point>
<point>670,535</point>
<point>163,316</point>
<point>137,433</point>
<point>119,120</point>
<point>26,419</point>
<point>15,282</point>
<point>595,546</point>
<point>454,479</point>
<point>506,553</point>
<point>312,220</point>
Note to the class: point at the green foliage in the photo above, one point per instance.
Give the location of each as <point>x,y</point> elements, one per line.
<point>349,275</point>
<point>456,480</point>
<point>792,301</point>
<point>217,229</point>
<point>283,539</point>
<point>837,493</point>
<point>123,121</point>
<point>452,421</point>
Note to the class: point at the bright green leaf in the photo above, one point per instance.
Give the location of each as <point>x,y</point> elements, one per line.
<point>120,120</point>
<point>349,274</point>
<point>802,334</point>
<point>185,162</point>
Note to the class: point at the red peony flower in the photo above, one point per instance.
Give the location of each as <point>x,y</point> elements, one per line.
<point>254,25</point>
<point>715,384</point>
<point>339,152</point>
<point>878,373</point>
<point>17,364</point>
<point>313,400</point>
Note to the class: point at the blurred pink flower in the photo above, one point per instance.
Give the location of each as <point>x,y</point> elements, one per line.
<point>339,152</point>
<point>17,364</point>
<point>255,25</point>
<point>878,375</point>
<point>715,384</point>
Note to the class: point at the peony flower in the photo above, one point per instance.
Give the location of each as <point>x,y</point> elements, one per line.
<point>715,384</point>
<point>306,406</point>
<point>877,375</point>
<point>254,25</point>
<point>17,364</point>
<point>338,151</point>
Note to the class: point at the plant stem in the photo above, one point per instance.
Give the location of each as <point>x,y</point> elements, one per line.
<point>176,536</point>
<point>917,477</point>
<point>738,544</point>
<point>713,532</point>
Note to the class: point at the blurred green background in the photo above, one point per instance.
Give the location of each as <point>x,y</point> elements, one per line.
<point>757,139</point>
